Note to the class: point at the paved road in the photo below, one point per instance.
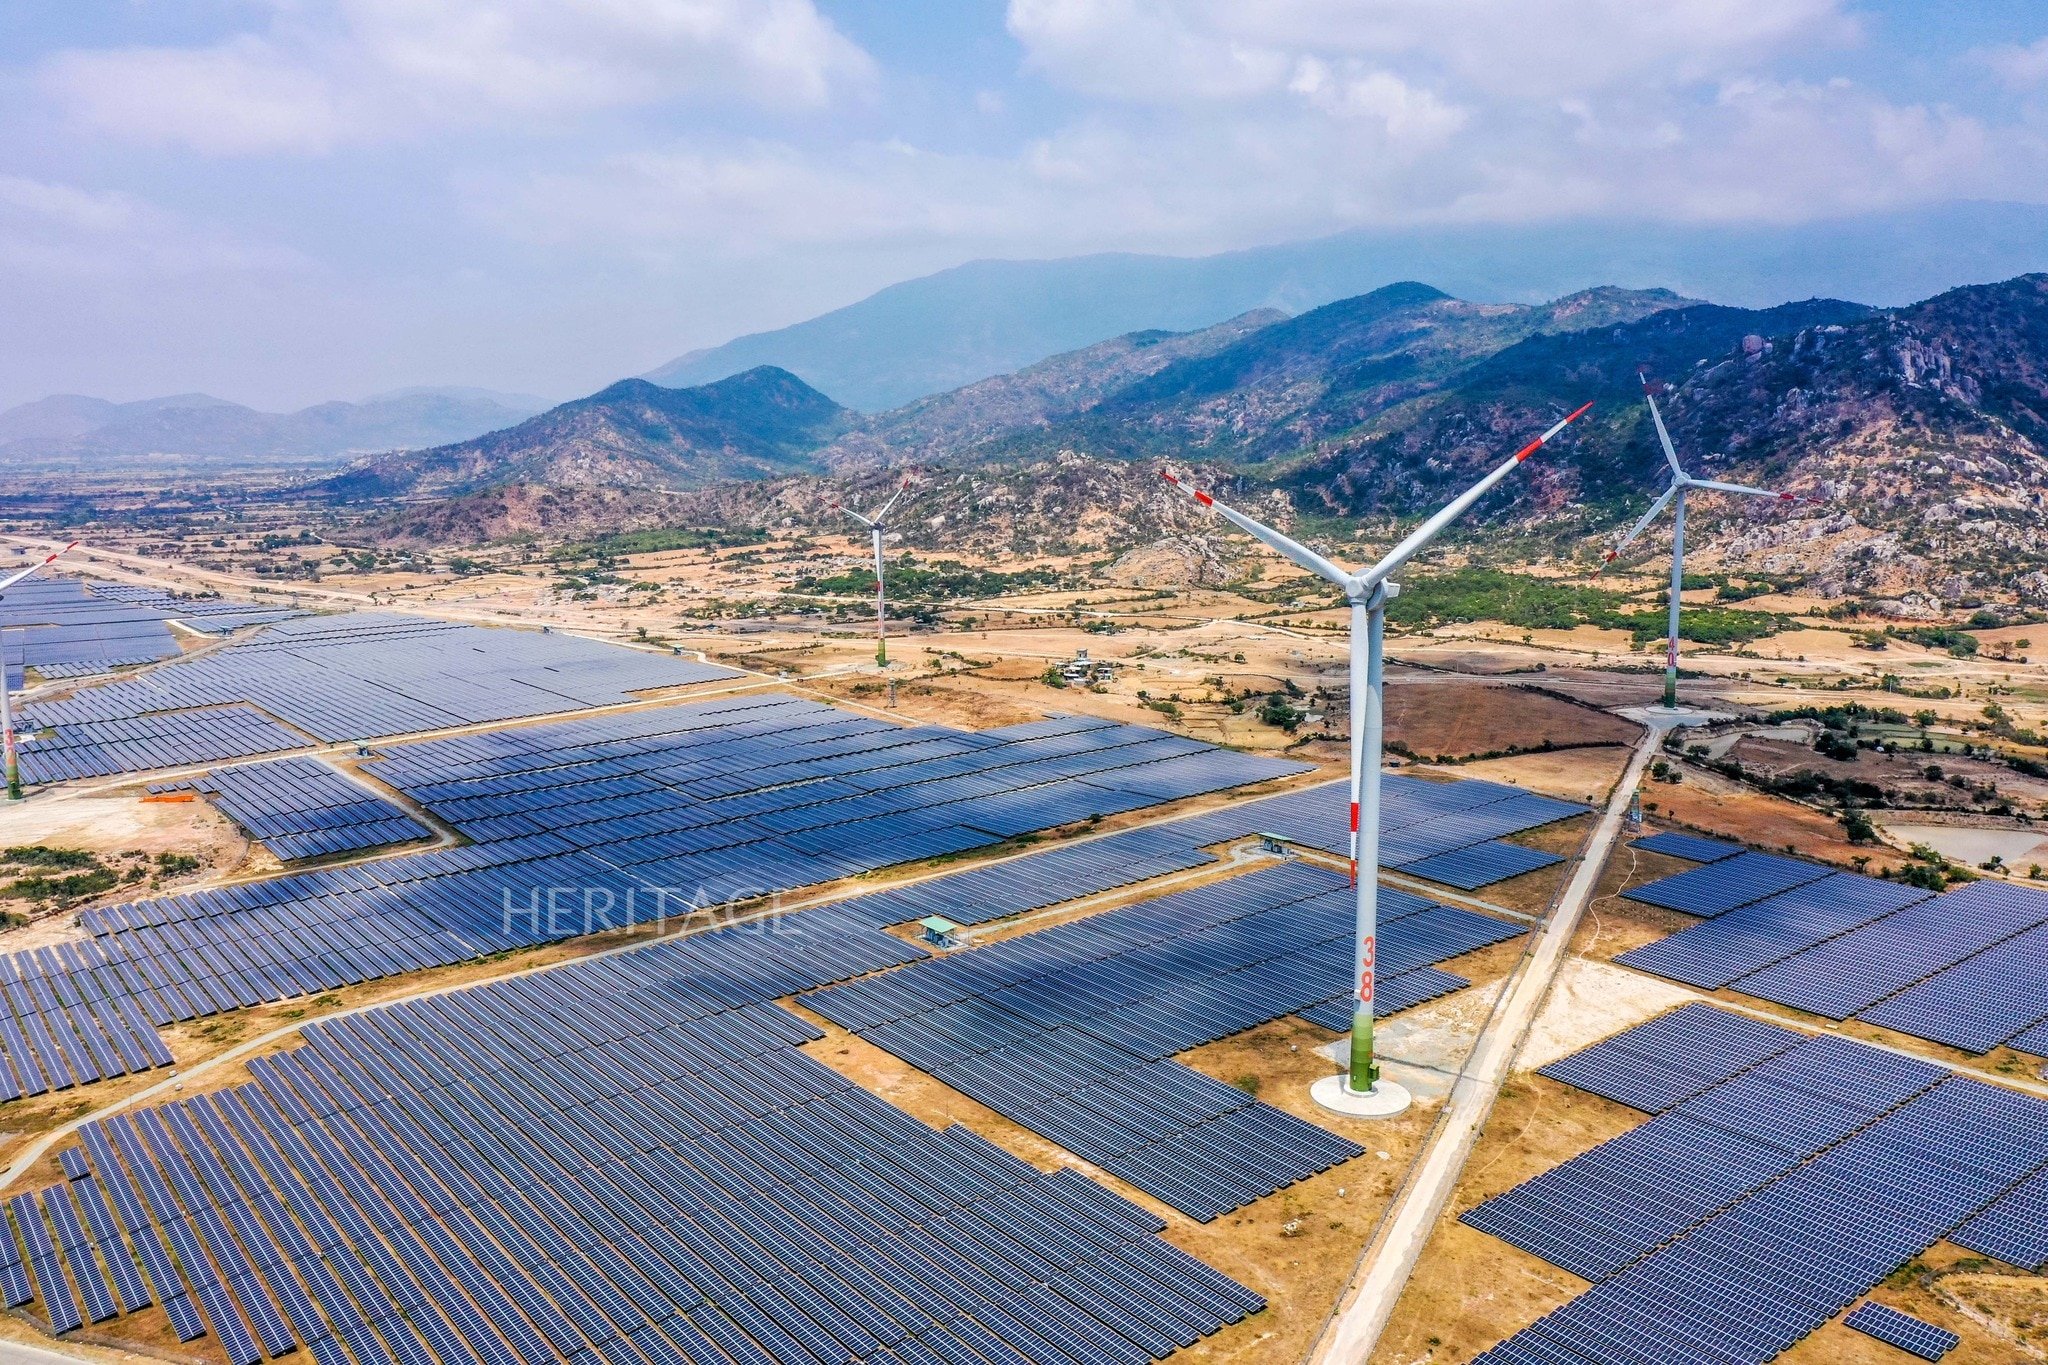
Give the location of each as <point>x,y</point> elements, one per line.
<point>1364,1311</point>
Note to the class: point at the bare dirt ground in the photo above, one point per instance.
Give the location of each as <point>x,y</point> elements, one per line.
<point>1707,803</point>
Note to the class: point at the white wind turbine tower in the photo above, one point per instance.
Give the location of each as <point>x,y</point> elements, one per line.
<point>1675,495</point>
<point>1362,1091</point>
<point>6,701</point>
<point>877,525</point>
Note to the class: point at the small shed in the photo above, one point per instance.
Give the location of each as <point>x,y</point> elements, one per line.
<point>1276,844</point>
<point>938,930</point>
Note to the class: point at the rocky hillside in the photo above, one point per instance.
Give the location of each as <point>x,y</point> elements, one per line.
<point>1917,438</point>
<point>760,424</point>
<point>1407,455</point>
<point>1291,386</point>
<point>960,426</point>
<point>1920,434</point>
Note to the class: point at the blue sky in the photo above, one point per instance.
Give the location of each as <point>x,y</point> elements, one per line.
<point>282,201</point>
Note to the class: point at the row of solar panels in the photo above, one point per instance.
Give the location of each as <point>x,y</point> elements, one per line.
<point>1445,832</point>
<point>1967,968</point>
<point>600,1162</point>
<point>67,628</point>
<point>1068,1030</point>
<point>302,808</point>
<point>56,623</point>
<point>1782,1178</point>
<point>204,734</point>
<point>372,674</point>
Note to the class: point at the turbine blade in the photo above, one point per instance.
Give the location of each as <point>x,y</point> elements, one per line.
<point>1720,487</point>
<point>905,488</point>
<point>1429,530</point>
<point>1294,550</point>
<point>44,563</point>
<point>865,521</point>
<point>1643,525</point>
<point>1670,455</point>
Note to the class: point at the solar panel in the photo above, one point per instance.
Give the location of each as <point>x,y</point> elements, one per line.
<point>1691,847</point>
<point>1902,1330</point>
<point>1479,864</point>
<point>1723,885</point>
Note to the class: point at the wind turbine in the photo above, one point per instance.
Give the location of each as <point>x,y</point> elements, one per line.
<point>1368,591</point>
<point>877,524</point>
<point>1675,495</point>
<point>6,699</point>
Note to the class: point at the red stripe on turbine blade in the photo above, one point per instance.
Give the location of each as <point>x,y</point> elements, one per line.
<point>1354,817</point>
<point>1204,498</point>
<point>1530,449</point>
<point>1167,475</point>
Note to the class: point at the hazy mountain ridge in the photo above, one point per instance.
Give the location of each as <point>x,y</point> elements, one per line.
<point>760,424</point>
<point>1287,387</point>
<point>1407,454</point>
<point>952,426</point>
<point>72,429</point>
<point>934,334</point>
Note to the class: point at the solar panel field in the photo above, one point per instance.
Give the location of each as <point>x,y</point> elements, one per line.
<point>315,679</point>
<point>1781,1177</point>
<point>1967,968</point>
<point>631,1157</point>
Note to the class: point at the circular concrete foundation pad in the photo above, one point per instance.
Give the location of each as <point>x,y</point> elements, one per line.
<point>1383,1102</point>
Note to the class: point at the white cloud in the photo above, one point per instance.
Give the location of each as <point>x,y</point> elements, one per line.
<point>1184,50</point>
<point>2023,67</point>
<point>366,70</point>
<point>65,206</point>
<point>241,96</point>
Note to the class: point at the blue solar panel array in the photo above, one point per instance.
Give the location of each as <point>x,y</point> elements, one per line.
<point>1902,1330</point>
<point>1691,847</point>
<point>68,628</point>
<point>1755,1206</point>
<point>334,678</point>
<point>1722,885</point>
<point>1068,1030</point>
<point>1040,879</point>
<point>1421,821</point>
<point>1967,968</point>
<point>592,824</point>
<point>66,1020</point>
<point>302,808</point>
<point>59,626</point>
<point>2015,1229</point>
<point>623,1160</point>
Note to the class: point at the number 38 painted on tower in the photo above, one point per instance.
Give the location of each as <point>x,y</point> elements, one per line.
<point>1368,954</point>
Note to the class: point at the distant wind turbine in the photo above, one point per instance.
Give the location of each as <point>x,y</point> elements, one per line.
<point>877,524</point>
<point>1368,592</point>
<point>7,701</point>
<point>1675,495</point>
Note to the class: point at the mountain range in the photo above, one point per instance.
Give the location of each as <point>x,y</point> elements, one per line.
<point>69,430</point>
<point>985,318</point>
<point>754,425</point>
<point>1916,436</point>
